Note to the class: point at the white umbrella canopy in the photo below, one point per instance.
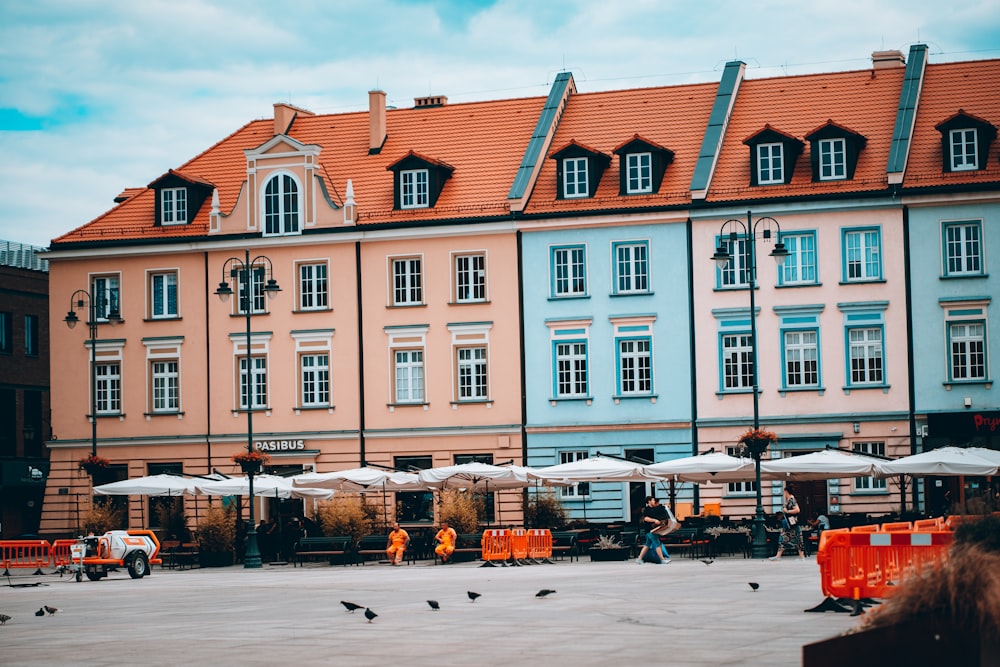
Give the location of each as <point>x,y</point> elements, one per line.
<point>594,469</point>
<point>825,464</point>
<point>711,467</point>
<point>944,461</point>
<point>270,486</point>
<point>475,476</point>
<point>152,485</point>
<point>353,479</point>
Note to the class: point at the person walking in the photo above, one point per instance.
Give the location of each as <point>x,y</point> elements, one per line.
<point>793,534</point>
<point>654,517</point>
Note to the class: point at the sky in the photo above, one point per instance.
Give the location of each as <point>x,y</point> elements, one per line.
<point>100,95</point>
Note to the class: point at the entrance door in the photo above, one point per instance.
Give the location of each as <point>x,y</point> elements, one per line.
<point>637,491</point>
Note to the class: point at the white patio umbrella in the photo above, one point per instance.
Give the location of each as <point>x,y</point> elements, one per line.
<point>152,485</point>
<point>475,476</point>
<point>711,467</point>
<point>353,479</point>
<point>944,461</point>
<point>594,469</point>
<point>825,464</point>
<point>271,486</point>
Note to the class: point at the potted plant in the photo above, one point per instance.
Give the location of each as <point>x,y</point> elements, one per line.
<point>216,537</point>
<point>757,440</point>
<point>92,463</point>
<point>544,510</point>
<point>252,461</point>
<point>608,548</point>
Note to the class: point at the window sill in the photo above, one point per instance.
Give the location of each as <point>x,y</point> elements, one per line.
<point>488,402</point>
<point>964,276</point>
<point>243,411</point>
<point>618,398</point>
<point>406,305</point>
<point>869,492</point>
<point>171,318</point>
<point>243,316</point>
<point>299,409</point>
<point>568,297</point>
<point>733,288</point>
<point>120,416</point>
<point>863,281</point>
<point>392,406</point>
<point>862,387</point>
<point>176,413</point>
<point>988,384</point>
<point>299,311</point>
<point>794,285</point>
<point>621,294</point>
<point>469,302</point>
<point>735,392</point>
<point>799,390</point>
<point>564,399</point>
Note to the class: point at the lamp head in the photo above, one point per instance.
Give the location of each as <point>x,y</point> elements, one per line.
<point>272,288</point>
<point>71,319</point>
<point>224,291</point>
<point>722,256</point>
<point>779,253</point>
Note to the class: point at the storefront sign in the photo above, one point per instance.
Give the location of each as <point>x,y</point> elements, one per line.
<point>280,445</point>
<point>964,424</point>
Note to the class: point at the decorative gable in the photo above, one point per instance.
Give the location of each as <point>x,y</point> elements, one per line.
<point>834,151</point>
<point>965,141</point>
<point>418,181</point>
<point>642,165</point>
<point>178,197</point>
<point>772,156</point>
<point>578,170</point>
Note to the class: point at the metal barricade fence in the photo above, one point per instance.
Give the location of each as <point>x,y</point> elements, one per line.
<point>24,554</point>
<point>496,545</point>
<point>518,544</point>
<point>60,553</point>
<point>540,544</point>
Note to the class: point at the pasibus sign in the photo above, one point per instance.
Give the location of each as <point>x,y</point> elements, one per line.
<point>279,445</point>
<point>964,424</point>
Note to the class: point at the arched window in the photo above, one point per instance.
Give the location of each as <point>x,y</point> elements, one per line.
<point>281,206</point>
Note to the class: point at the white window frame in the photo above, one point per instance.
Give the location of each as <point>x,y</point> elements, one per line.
<point>407,280</point>
<point>862,254</point>
<point>582,489</point>
<point>865,356</point>
<point>630,260</point>
<point>801,266</point>
<point>963,247</point>
<point>414,188</point>
<point>469,277</point>
<point>832,159</point>
<point>165,375</point>
<point>408,375</point>
<point>737,361</point>
<point>313,285</point>
<point>108,400</point>
<point>471,361</point>
<point>635,366</point>
<point>576,181</point>
<point>314,373</point>
<point>739,488</point>
<point>568,270</point>
<point>770,163</point>
<point>967,358</point>
<point>638,173</point>
<point>736,272</point>
<point>163,294</point>
<point>173,206</point>
<point>259,303</point>
<point>260,344</point>
<point>800,354</point>
<point>964,143</point>
<point>107,295</point>
<point>869,484</point>
<point>570,350</point>
<point>281,205</point>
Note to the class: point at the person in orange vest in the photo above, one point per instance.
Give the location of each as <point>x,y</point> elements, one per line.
<point>399,539</point>
<point>446,539</point>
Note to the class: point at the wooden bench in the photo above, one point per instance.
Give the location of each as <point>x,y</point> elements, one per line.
<point>375,545</point>
<point>565,544</point>
<point>469,546</point>
<point>330,548</point>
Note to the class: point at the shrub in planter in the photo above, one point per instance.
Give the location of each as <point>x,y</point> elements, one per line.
<point>171,518</point>
<point>544,510</point>
<point>461,510</point>
<point>216,537</point>
<point>104,516</point>
<point>345,514</point>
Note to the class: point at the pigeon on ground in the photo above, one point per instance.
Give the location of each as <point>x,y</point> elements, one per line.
<point>434,604</point>
<point>542,593</point>
<point>754,585</point>
<point>51,610</point>
<point>707,561</point>
<point>369,614</point>
<point>473,595</point>
<point>40,612</point>
<point>351,607</point>
<point>4,618</point>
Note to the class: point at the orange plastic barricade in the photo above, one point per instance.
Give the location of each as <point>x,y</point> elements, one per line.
<point>60,553</point>
<point>896,527</point>
<point>867,528</point>
<point>24,554</point>
<point>928,525</point>
<point>540,544</point>
<point>496,546</point>
<point>860,565</point>
<point>518,544</point>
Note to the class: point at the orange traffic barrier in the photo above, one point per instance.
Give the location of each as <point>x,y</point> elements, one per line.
<point>540,544</point>
<point>929,525</point>
<point>60,553</point>
<point>518,544</point>
<point>867,528</point>
<point>24,554</point>
<point>865,564</point>
<point>496,545</point>
<point>896,527</point>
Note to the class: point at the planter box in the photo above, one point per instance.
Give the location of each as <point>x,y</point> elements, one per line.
<point>609,554</point>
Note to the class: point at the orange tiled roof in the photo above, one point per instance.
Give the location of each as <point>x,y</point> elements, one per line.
<point>948,87</point>
<point>863,100</point>
<point>673,117</point>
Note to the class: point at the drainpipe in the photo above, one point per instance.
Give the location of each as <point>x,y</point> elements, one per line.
<point>692,344</point>
<point>208,374</point>
<point>520,320</point>
<point>361,355</point>
<point>910,384</point>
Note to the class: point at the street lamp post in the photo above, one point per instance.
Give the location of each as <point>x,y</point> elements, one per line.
<point>748,232</point>
<point>243,270</point>
<point>78,301</point>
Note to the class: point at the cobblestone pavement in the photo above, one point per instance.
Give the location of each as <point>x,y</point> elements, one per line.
<point>682,613</point>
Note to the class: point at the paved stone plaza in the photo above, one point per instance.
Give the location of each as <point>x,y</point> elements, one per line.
<point>684,613</point>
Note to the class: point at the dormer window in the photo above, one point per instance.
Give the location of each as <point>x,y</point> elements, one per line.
<point>643,164</point>
<point>281,206</point>
<point>772,156</point>
<point>965,142</point>
<point>173,206</point>
<point>834,151</point>
<point>418,181</point>
<point>579,170</point>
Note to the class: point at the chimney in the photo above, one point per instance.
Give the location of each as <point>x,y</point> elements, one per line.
<point>429,101</point>
<point>376,121</point>
<point>885,59</point>
<point>284,116</point>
